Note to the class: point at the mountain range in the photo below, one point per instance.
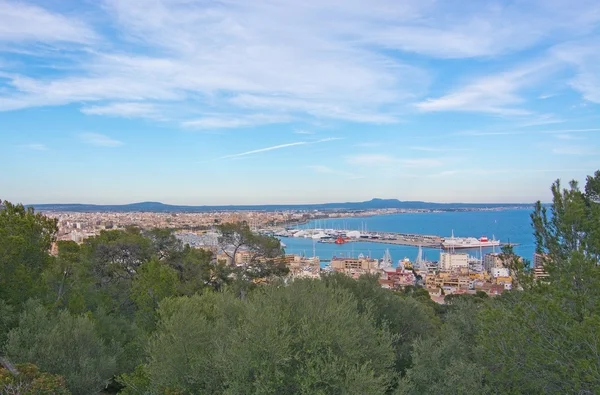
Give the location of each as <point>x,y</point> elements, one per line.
<point>358,206</point>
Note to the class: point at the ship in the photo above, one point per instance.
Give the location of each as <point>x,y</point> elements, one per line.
<point>468,242</point>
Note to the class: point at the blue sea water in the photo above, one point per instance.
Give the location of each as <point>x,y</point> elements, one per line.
<point>512,226</point>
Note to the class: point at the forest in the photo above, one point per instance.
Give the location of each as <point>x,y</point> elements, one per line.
<point>134,311</point>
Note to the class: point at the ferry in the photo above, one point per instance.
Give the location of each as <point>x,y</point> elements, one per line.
<point>468,242</point>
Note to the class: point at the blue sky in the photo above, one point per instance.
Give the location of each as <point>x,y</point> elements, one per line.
<point>296,101</point>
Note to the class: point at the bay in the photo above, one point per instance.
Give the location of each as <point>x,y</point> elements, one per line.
<point>510,225</point>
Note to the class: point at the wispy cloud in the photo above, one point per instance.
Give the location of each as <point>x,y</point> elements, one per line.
<point>36,147</point>
<point>100,140</point>
<point>422,162</point>
<point>235,121</point>
<point>20,21</point>
<point>476,133</point>
<point>368,144</point>
<point>330,61</point>
<point>278,147</point>
<point>577,150</point>
<point>495,94</point>
<point>584,55</point>
<point>372,160</point>
<point>126,109</point>
<point>303,132</point>
<point>437,149</point>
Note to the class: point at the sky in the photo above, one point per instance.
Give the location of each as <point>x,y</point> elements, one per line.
<point>296,101</point>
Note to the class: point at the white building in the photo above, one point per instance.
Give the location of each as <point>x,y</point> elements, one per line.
<point>449,262</point>
<point>499,272</point>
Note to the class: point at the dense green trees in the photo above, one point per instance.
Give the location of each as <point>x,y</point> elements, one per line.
<point>544,339</point>
<point>137,312</point>
<point>62,344</point>
<point>25,238</point>
<point>305,338</point>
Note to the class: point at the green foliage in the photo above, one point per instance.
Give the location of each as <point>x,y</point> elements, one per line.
<point>265,252</point>
<point>447,363</point>
<point>153,282</point>
<point>198,270</point>
<point>303,338</point>
<point>62,344</point>
<point>406,318</point>
<point>8,319</point>
<point>28,380</point>
<point>60,276</point>
<point>25,239</point>
<point>170,319</point>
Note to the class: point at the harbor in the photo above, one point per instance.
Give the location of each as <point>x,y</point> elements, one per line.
<point>340,237</point>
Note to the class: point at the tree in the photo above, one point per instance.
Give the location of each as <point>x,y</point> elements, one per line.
<point>25,240</point>
<point>60,276</point>
<point>304,338</point>
<point>198,270</point>
<point>406,318</point>
<point>153,282</point>
<point>27,379</point>
<point>112,260</point>
<point>448,362</point>
<point>553,342</point>
<point>264,255</point>
<point>166,247</point>
<point>62,344</point>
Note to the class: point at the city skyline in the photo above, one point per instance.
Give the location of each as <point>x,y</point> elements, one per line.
<point>296,102</point>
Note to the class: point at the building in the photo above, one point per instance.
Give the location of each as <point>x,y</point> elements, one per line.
<point>301,267</point>
<point>396,277</point>
<point>539,261</point>
<point>491,260</point>
<point>450,262</point>
<point>499,272</point>
<point>355,267</point>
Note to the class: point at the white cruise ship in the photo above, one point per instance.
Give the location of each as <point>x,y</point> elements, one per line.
<point>468,242</point>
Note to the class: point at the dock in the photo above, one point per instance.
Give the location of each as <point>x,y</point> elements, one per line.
<point>408,239</point>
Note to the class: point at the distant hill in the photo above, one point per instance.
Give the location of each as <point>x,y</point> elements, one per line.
<point>158,207</point>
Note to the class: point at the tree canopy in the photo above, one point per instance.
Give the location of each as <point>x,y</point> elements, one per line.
<point>137,312</point>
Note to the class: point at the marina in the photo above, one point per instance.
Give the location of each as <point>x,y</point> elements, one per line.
<point>340,237</point>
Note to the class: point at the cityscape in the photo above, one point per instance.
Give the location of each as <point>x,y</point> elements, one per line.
<point>328,197</point>
<point>457,271</point>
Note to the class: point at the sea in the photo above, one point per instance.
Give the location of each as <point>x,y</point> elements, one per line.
<point>506,225</point>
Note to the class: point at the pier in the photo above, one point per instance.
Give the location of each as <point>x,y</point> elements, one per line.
<point>403,239</point>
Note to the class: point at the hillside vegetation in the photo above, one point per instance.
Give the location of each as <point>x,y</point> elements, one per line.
<point>136,312</point>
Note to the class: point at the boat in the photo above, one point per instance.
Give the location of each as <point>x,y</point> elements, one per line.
<point>340,240</point>
<point>386,261</point>
<point>468,242</point>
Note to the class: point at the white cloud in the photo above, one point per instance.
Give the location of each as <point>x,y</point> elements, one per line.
<point>100,140</point>
<point>517,132</point>
<point>577,150</point>
<point>278,147</point>
<point>327,60</point>
<point>25,22</point>
<point>422,162</point>
<point>127,110</point>
<point>265,57</point>
<point>585,57</point>
<point>36,147</point>
<point>223,121</point>
<point>372,160</point>
<point>458,29</point>
<point>436,149</point>
<point>496,94</point>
